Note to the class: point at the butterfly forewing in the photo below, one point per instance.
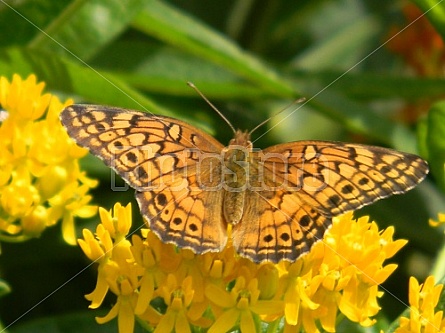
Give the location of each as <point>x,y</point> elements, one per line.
<point>282,201</point>
<point>335,177</point>
<point>147,151</point>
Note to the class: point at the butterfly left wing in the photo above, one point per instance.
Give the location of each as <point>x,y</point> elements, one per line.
<point>306,183</point>
<point>169,163</point>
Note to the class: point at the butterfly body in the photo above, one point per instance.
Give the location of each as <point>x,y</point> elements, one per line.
<point>236,171</point>
<point>279,201</point>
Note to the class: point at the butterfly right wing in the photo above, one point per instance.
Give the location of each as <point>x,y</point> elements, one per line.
<point>277,226</point>
<point>304,184</point>
<point>171,164</point>
<point>336,177</point>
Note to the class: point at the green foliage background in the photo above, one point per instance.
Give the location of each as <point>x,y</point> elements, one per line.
<point>251,59</point>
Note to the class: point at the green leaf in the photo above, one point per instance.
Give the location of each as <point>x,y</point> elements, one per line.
<point>176,28</point>
<point>360,119</point>
<point>67,77</point>
<point>162,69</point>
<point>435,141</point>
<point>4,288</point>
<point>342,46</point>
<point>86,26</point>
<point>21,21</point>
<point>366,85</point>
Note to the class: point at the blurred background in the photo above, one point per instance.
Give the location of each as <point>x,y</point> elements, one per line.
<point>371,72</point>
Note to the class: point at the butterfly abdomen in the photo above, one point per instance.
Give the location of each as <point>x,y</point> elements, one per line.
<point>235,177</point>
<point>235,170</point>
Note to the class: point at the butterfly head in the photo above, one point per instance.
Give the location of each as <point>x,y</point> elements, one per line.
<point>241,139</point>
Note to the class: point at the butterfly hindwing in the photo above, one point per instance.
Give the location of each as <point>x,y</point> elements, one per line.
<point>185,218</point>
<point>284,228</point>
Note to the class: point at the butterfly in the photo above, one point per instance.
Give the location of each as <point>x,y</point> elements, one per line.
<point>278,201</point>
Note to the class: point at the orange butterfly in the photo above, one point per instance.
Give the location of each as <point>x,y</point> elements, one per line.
<point>278,201</point>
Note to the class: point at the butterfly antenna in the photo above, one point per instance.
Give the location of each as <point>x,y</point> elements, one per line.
<point>190,84</point>
<point>300,100</point>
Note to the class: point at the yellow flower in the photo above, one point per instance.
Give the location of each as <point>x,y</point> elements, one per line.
<point>298,305</point>
<point>124,307</point>
<point>40,179</point>
<point>439,222</point>
<point>117,270</point>
<point>174,290</point>
<point>178,298</point>
<point>98,249</point>
<point>242,304</point>
<point>423,316</point>
<point>342,273</point>
<point>157,259</point>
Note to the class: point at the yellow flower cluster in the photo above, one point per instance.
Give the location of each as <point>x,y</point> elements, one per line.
<point>423,300</point>
<point>174,290</point>
<point>40,179</point>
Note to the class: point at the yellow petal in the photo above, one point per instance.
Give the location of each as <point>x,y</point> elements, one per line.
<point>247,324</point>
<point>182,325</point>
<point>146,291</point>
<point>68,230</point>
<point>125,319</point>
<point>292,312</point>
<point>110,315</point>
<point>219,296</point>
<point>98,295</point>
<point>166,323</point>
<point>225,322</point>
<point>268,307</point>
